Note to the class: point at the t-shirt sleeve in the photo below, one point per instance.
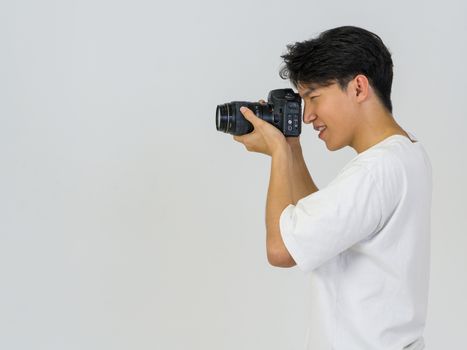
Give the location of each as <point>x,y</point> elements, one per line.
<point>329,221</point>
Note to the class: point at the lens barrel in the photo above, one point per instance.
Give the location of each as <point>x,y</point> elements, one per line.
<point>223,117</point>
<point>230,120</point>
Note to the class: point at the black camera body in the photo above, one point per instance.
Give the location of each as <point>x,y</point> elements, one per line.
<point>283,110</point>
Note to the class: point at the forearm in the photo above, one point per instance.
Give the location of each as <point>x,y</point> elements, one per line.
<point>302,182</point>
<point>278,198</point>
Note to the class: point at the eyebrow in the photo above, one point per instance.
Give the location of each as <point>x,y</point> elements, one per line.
<point>309,90</point>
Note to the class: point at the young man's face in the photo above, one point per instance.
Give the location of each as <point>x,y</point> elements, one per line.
<point>330,107</point>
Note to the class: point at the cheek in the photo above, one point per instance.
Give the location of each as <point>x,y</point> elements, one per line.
<point>340,111</point>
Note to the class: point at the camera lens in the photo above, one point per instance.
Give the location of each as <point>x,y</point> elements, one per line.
<point>230,120</point>
<point>223,116</point>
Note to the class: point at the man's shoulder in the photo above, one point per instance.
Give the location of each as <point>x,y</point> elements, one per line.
<point>389,156</point>
<point>384,159</point>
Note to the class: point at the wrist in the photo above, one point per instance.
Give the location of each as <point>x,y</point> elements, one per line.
<point>294,143</point>
<point>283,150</point>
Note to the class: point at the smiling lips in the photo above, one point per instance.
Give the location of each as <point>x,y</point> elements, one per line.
<point>319,128</point>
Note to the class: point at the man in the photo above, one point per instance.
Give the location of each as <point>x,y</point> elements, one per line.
<point>365,238</point>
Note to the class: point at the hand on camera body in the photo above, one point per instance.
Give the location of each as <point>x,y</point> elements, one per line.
<point>265,138</point>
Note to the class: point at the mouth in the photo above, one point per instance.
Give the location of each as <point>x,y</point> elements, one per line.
<point>321,130</point>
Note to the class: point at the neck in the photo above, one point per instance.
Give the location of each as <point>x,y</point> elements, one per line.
<point>373,129</point>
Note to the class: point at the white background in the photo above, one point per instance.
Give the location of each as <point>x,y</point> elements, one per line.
<point>128,222</point>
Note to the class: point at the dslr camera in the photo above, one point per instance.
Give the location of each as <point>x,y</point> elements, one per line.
<point>283,110</point>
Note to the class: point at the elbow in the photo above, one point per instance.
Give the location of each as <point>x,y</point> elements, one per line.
<point>280,257</point>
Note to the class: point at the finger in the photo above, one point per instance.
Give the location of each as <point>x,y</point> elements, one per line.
<point>250,116</point>
<point>263,102</point>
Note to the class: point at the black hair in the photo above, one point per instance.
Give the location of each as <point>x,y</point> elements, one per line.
<point>338,55</point>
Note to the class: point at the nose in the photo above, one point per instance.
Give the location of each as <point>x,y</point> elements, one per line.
<point>308,115</point>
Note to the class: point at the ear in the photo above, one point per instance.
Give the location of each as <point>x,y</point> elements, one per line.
<point>360,87</point>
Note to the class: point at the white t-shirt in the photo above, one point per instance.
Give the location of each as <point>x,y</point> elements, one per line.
<point>365,239</point>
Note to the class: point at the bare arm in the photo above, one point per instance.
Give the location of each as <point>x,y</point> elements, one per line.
<point>290,181</point>
<point>302,183</point>
<point>278,198</point>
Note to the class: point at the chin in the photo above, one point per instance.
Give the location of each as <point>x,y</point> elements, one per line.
<point>332,147</point>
